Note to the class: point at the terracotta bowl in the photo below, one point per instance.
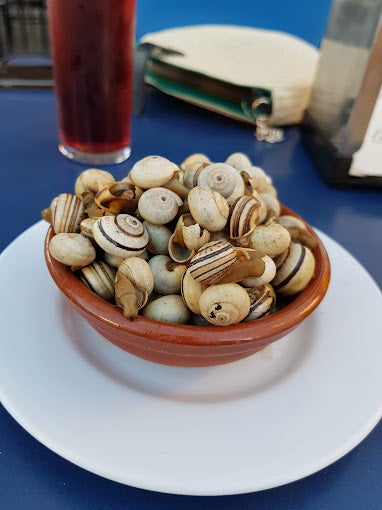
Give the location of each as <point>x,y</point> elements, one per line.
<point>186,345</point>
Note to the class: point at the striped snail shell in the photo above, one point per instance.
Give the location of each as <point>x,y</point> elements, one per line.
<point>66,213</point>
<point>99,277</point>
<point>263,299</point>
<point>294,269</point>
<point>214,260</point>
<point>244,217</point>
<point>224,304</point>
<point>122,235</point>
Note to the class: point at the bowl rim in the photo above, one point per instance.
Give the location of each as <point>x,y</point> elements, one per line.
<point>274,324</point>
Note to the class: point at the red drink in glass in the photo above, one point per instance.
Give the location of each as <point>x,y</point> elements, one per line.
<point>92,43</point>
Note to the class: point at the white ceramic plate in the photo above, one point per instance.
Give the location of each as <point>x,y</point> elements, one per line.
<point>250,425</point>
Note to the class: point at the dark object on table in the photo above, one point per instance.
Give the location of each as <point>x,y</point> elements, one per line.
<point>344,111</point>
<point>24,45</point>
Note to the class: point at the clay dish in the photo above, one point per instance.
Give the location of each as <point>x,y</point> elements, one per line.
<point>187,345</point>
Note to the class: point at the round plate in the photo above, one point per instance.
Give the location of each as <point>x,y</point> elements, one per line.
<point>258,423</point>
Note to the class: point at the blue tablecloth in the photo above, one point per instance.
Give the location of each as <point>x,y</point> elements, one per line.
<point>32,172</point>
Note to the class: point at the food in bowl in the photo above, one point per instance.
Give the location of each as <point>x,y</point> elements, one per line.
<point>195,247</point>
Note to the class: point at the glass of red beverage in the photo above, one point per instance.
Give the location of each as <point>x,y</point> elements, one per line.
<point>92,44</point>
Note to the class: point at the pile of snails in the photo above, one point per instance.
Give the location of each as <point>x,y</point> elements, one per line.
<point>201,242</point>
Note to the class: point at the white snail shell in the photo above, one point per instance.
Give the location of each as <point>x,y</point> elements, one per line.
<point>159,205</point>
<point>267,276</point>
<point>197,157</point>
<point>122,235</point>
<point>224,304</point>
<point>187,238</point>
<point>272,204</point>
<point>152,171</point>
<point>255,179</point>
<point>239,160</point>
<point>169,308</point>
<point>167,274</point>
<point>191,291</point>
<point>72,249</point>
<point>222,178</point>
<point>91,181</point>
<point>208,208</point>
<point>271,238</point>
<point>133,284</point>
<point>138,271</point>
<point>159,236</point>
<point>294,269</point>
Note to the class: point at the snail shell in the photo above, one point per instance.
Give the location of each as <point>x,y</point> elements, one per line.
<point>159,236</point>
<point>167,274</point>
<point>91,181</point>
<point>177,186</point>
<point>122,235</point>
<point>99,277</point>
<point>191,291</point>
<point>239,160</point>
<point>224,304</point>
<point>72,249</point>
<point>152,171</point>
<point>254,178</point>
<point>67,212</point>
<point>159,205</point>
<point>208,208</point>
<point>297,230</point>
<point>118,197</point>
<point>271,238</point>
<point>169,308</point>
<point>262,299</point>
<point>187,238</point>
<point>214,260</point>
<point>197,157</point>
<point>244,217</point>
<point>191,171</point>
<point>133,284</point>
<point>222,178</point>
<point>86,227</point>
<point>294,269</point>
<point>272,204</point>
<point>267,275</point>
<point>115,261</point>
<point>138,271</point>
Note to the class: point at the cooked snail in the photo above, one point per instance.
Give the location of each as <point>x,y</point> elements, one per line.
<point>202,242</point>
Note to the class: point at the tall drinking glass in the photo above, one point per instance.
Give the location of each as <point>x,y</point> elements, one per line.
<point>92,44</point>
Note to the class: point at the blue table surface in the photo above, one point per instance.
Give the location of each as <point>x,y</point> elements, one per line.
<point>32,172</point>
